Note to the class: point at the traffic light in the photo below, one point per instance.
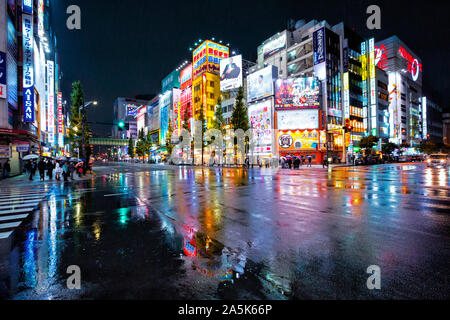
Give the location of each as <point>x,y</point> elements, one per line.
<point>348,127</point>
<point>121,126</point>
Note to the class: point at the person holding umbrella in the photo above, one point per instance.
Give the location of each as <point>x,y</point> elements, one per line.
<point>50,167</point>
<point>41,168</point>
<point>71,170</point>
<point>58,171</point>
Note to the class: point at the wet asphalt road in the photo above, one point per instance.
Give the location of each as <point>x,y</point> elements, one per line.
<point>199,233</point>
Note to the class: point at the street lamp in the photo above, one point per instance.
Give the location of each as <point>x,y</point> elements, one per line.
<point>83,119</point>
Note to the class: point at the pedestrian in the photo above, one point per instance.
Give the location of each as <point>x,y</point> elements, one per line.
<point>339,159</point>
<point>32,169</point>
<point>6,169</point>
<point>41,167</point>
<point>1,170</point>
<point>325,163</point>
<point>50,168</point>
<point>58,171</point>
<point>65,171</point>
<point>309,161</point>
<point>71,170</point>
<point>290,163</point>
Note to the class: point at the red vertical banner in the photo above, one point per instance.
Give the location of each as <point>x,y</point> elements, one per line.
<point>60,114</point>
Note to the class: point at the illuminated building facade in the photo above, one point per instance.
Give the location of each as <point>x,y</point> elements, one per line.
<point>404,69</point>
<point>31,120</point>
<point>206,78</point>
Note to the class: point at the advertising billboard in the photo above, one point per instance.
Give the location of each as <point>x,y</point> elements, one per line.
<point>297,93</point>
<point>260,84</point>
<point>231,73</point>
<point>131,110</point>
<point>306,140</point>
<point>274,45</point>
<point>297,119</point>
<point>171,81</point>
<point>260,118</point>
<point>319,46</point>
<point>60,122</point>
<point>28,71</point>
<point>11,66</point>
<point>153,116</point>
<point>27,6</point>
<point>51,101</point>
<point>186,77</point>
<point>3,75</point>
<point>207,57</point>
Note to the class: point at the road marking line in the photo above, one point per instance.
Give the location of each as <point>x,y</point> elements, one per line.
<point>18,201</point>
<point>115,194</point>
<point>5,235</point>
<point>26,205</point>
<point>9,225</point>
<point>2,213</point>
<point>16,217</point>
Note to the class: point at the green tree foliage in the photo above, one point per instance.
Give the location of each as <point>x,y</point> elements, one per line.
<point>169,144</point>
<point>429,147</point>
<point>239,117</point>
<point>131,148</point>
<point>367,143</point>
<point>75,131</point>
<point>186,119</point>
<point>219,121</point>
<point>389,147</point>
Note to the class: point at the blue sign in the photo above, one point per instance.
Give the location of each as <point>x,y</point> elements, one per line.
<point>171,81</point>
<point>28,104</point>
<point>27,6</point>
<point>28,71</point>
<point>319,46</point>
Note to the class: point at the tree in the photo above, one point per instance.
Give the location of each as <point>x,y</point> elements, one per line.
<point>219,121</point>
<point>201,118</point>
<point>75,130</point>
<point>186,119</point>
<point>428,147</point>
<point>169,144</point>
<point>141,146</point>
<point>367,143</point>
<point>239,117</point>
<point>131,148</point>
<point>389,147</point>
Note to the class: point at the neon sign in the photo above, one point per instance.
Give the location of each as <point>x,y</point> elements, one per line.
<point>414,67</point>
<point>28,71</point>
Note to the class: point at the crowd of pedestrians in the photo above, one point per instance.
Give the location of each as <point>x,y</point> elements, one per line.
<point>296,162</point>
<point>63,170</point>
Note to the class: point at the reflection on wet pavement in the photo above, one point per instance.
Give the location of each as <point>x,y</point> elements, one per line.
<point>234,234</point>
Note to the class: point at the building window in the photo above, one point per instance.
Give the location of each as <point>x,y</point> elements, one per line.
<point>211,83</point>
<point>211,95</point>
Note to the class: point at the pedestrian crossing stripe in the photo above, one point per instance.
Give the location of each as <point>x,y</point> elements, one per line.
<point>15,217</point>
<point>19,201</point>
<point>14,206</point>
<point>10,225</point>
<point>5,235</point>
<point>2,213</point>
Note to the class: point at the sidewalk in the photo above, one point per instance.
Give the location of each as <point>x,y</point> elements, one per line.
<point>25,179</point>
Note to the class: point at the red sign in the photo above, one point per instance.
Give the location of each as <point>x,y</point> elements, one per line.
<point>60,113</point>
<point>186,77</point>
<point>414,67</point>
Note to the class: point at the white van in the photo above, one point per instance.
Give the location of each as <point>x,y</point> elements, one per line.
<point>439,160</point>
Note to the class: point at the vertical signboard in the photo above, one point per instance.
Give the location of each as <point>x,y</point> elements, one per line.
<point>27,6</point>
<point>373,89</point>
<point>41,18</point>
<point>3,75</point>
<point>346,96</point>
<point>28,72</point>
<point>60,121</point>
<point>51,101</point>
<point>319,46</point>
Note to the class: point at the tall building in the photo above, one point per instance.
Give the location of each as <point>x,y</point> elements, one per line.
<point>126,110</point>
<point>206,78</point>
<point>32,110</point>
<point>433,122</point>
<point>404,69</point>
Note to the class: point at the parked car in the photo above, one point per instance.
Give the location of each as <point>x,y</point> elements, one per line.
<point>438,161</point>
<point>403,159</point>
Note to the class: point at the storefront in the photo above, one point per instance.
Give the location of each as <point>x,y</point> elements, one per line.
<point>304,143</point>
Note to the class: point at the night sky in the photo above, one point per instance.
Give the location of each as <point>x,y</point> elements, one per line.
<point>126,48</point>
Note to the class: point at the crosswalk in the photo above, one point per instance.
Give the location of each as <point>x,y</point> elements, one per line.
<point>16,204</point>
